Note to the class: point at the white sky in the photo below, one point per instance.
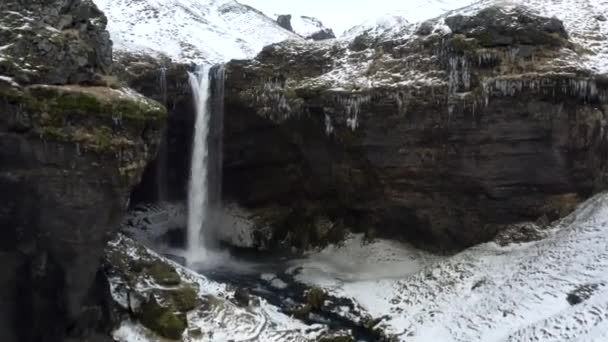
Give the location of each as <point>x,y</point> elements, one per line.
<point>341,15</point>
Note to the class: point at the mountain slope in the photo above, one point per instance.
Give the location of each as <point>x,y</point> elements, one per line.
<point>189,30</point>
<point>409,12</point>
<point>307,27</point>
<point>585,20</point>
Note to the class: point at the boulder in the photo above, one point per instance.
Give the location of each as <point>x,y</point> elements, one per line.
<point>284,20</point>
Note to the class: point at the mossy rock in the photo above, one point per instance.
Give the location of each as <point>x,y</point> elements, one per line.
<point>315,298</point>
<point>163,321</point>
<point>185,298</point>
<point>461,44</point>
<point>96,101</point>
<point>97,118</point>
<point>302,312</point>
<point>195,333</point>
<point>163,273</point>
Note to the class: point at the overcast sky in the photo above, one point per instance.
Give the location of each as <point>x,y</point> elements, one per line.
<point>341,15</point>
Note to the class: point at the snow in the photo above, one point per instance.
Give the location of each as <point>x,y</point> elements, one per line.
<point>306,26</point>
<point>9,80</point>
<point>582,19</point>
<point>410,12</point>
<point>486,293</point>
<point>209,31</point>
<point>226,321</point>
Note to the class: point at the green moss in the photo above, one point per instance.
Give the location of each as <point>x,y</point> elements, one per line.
<point>99,102</point>
<point>54,133</point>
<point>185,298</point>
<point>163,274</point>
<point>302,312</point>
<point>315,298</point>
<point>462,44</point>
<point>163,321</point>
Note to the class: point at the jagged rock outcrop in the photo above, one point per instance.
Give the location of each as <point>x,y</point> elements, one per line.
<point>441,133</point>
<point>284,20</point>
<point>307,27</point>
<point>72,148</point>
<point>54,42</point>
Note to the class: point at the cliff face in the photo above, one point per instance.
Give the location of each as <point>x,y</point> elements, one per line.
<point>71,148</point>
<point>443,132</point>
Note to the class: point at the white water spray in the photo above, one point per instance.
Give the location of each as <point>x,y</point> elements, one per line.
<point>198,196</point>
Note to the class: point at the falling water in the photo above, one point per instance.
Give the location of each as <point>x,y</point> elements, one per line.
<point>197,193</point>
<point>161,160</point>
<point>205,178</point>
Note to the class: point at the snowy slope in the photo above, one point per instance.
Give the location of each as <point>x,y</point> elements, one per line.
<point>190,30</point>
<point>307,26</point>
<point>487,293</point>
<point>409,12</point>
<point>585,20</point>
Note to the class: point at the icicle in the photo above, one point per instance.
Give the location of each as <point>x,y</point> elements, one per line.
<point>329,128</point>
<point>352,108</point>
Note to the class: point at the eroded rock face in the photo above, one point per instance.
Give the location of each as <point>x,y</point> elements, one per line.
<point>69,156</point>
<point>54,42</point>
<point>166,82</point>
<point>439,136</point>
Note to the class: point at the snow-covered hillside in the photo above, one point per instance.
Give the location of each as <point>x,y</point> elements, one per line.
<point>191,30</point>
<point>585,20</point>
<point>410,12</point>
<point>555,289</point>
<point>310,28</point>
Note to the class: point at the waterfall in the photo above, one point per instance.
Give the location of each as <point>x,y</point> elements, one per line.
<point>204,192</point>
<point>161,160</point>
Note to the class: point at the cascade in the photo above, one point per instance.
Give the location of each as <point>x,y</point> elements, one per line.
<point>204,193</point>
<point>161,160</point>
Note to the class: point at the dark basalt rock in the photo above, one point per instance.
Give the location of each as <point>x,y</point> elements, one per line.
<point>284,20</point>
<point>495,27</point>
<point>144,74</point>
<point>487,139</point>
<point>582,293</point>
<point>322,35</point>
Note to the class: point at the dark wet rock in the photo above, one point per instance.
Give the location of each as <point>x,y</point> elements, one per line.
<point>144,74</point>
<point>70,153</point>
<point>242,297</point>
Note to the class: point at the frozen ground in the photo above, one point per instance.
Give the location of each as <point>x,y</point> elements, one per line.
<point>486,293</point>
<point>550,290</point>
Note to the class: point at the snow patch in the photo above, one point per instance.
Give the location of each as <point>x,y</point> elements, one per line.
<point>204,32</point>
<point>486,293</point>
